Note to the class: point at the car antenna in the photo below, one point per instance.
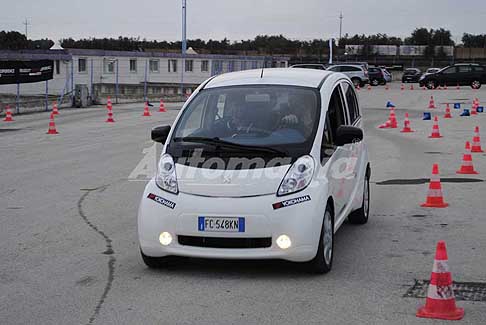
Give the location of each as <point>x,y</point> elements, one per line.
<point>261,76</point>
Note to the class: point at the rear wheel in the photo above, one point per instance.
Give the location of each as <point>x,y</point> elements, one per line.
<point>476,84</point>
<point>322,263</point>
<point>360,216</point>
<point>356,82</point>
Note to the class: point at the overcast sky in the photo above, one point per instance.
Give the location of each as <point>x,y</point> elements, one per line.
<point>239,19</point>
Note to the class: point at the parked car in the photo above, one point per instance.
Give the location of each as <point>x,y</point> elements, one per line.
<point>267,180</point>
<point>411,75</point>
<point>462,74</point>
<point>376,76</point>
<point>357,73</point>
<point>315,66</point>
<point>387,74</point>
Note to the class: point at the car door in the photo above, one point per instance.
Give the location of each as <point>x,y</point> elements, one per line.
<point>336,157</point>
<point>355,149</point>
<point>464,75</point>
<point>449,77</point>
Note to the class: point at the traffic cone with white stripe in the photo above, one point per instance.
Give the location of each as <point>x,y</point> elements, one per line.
<point>476,142</point>
<point>474,107</point>
<point>458,87</point>
<point>369,86</point>
<point>406,126</point>
<point>411,87</point>
<point>445,87</point>
<point>8,114</point>
<point>467,163</point>
<point>435,129</point>
<point>109,105</point>
<point>431,102</point>
<point>440,302</point>
<point>448,112</point>
<point>110,118</point>
<point>387,87</point>
<point>55,110</point>
<point>424,88</point>
<point>402,87</point>
<point>146,111</point>
<point>162,107</point>
<point>393,118</point>
<point>52,125</point>
<point>434,195</point>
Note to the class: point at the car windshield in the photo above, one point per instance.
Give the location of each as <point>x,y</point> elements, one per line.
<point>248,121</point>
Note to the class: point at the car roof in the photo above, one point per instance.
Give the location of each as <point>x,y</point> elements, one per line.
<point>272,76</point>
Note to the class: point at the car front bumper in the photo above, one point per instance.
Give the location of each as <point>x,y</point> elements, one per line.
<point>301,222</point>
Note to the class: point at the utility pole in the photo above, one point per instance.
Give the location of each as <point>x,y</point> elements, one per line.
<point>26,23</point>
<point>340,24</point>
<point>184,45</point>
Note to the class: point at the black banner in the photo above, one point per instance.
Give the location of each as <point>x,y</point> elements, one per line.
<point>13,72</point>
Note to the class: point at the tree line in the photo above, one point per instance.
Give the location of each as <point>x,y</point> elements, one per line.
<point>262,44</point>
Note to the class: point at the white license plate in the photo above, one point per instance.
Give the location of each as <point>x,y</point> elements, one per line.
<point>221,224</point>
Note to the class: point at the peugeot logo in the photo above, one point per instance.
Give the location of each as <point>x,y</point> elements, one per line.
<point>226,179</point>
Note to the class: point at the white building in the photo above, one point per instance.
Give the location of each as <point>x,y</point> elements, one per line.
<point>126,74</point>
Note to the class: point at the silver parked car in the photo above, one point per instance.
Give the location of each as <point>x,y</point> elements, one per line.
<point>357,73</point>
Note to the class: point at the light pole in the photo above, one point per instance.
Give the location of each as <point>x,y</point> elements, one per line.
<point>184,45</point>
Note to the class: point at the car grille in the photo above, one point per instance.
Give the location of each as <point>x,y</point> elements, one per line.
<point>219,242</point>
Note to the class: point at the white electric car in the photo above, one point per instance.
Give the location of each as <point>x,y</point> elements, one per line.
<point>259,164</point>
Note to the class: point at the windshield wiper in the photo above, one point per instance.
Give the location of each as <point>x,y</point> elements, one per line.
<point>218,142</point>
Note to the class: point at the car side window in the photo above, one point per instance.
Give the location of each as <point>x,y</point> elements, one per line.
<point>337,112</point>
<point>352,103</point>
<point>335,69</point>
<point>464,69</point>
<point>478,69</point>
<point>450,70</point>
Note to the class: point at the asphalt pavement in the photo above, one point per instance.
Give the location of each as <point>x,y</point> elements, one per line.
<point>68,239</point>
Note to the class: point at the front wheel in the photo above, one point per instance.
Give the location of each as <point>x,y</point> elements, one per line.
<point>431,84</point>
<point>375,82</point>
<point>360,216</point>
<point>476,84</point>
<point>156,262</point>
<point>322,263</point>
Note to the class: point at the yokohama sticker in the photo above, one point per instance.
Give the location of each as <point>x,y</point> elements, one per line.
<point>288,203</point>
<point>162,201</point>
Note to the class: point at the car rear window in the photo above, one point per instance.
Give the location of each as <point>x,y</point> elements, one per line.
<point>479,69</point>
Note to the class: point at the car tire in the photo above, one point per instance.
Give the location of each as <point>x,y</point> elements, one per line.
<point>356,82</point>
<point>322,262</point>
<point>375,82</point>
<point>156,262</point>
<point>360,216</point>
<point>431,84</point>
<point>476,84</point>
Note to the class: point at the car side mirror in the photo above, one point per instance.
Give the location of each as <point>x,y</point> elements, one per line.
<point>160,133</point>
<point>348,134</point>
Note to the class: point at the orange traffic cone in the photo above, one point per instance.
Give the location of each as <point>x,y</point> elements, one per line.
<point>424,88</point>
<point>448,112</point>
<point>358,87</point>
<point>393,118</point>
<point>458,87</point>
<point>8,114</point>
<point>55,110</point>
<point>440,302</point>
<point>387,87</point>
<point>402,87</point>
<point>434,195</point>
<point>146,111</point>
<point>406,126</point>
<point>476,142</point>
<point>108,103</point>
<point>369,86</point>
<point>162,107</point>
<point>445,87</point>
<point>110,118</point>
<point>411,87</point>
<point>431,102</point>
<point>52,125</point>
<point>439,88</point>
<point>467,164</point>
<point>474,107</point>
<point>435,129</point>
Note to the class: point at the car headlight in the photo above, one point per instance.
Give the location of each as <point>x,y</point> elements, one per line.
<point>298,176</point>
<point>166,177</point>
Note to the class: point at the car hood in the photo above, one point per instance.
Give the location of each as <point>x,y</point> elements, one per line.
<point>229,183</point>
